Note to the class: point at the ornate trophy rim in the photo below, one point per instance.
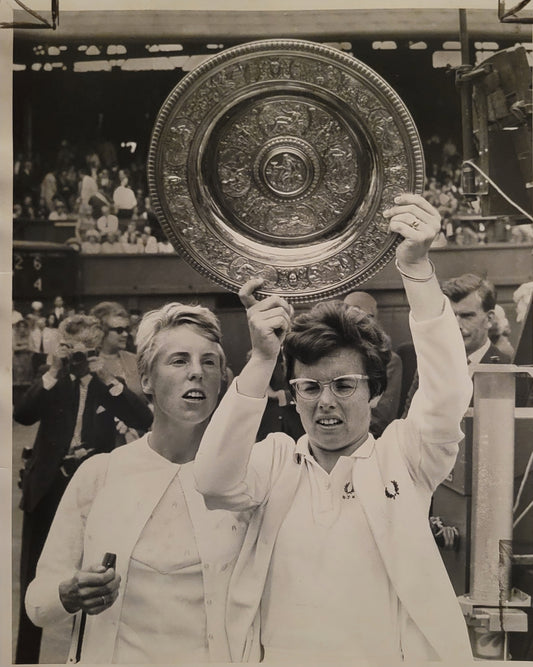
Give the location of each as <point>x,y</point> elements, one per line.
<point>228,247</point>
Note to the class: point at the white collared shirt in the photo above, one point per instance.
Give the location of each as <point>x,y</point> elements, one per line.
<point>327,563</point>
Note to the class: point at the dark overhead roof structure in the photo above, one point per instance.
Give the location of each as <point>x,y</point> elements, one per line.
<point>172,26</point>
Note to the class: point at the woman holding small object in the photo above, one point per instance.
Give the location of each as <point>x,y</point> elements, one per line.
<point>164,601</point>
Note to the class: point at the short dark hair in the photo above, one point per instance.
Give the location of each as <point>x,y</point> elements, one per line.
<point>331,325</point>
<point>457,289</point>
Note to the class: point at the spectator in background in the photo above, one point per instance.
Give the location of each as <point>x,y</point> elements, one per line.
<point>386,409</point>
<point>500,332</point>
<point>59,211</point>
<point>147,243</point>
<point>91,245</point>
<point>135,316</point>
<point>25,182</point>
<point>50,336</point>
<point>105,184</point>
<point>111,244</point>
<point>115,323</point>
<point>280,415</point>
<point>28,208</point>
<point>473,301</point>
<point>129,238</point>
<point>148,216</point>
<point>107,222</point>
<point>22,370</point>
<point>124,200</point>
<point>58,313</point>
<point>165,247</point>
<point>36,308</point>
<point>66,156</point>
<point>49,190</point>
<point>75,402</point>
<point>85,223</point>
<point>17,211</point>
<point>38,324</point>
<point>67,185</point>
<point>522,233</point>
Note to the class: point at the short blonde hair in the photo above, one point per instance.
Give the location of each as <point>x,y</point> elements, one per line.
<point>173,315</point>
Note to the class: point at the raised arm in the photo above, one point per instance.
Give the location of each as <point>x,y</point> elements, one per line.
<point>444,385</point>
<point>226,473</point>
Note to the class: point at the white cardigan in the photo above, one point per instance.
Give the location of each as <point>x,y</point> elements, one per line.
<point>417,453</point>
<point>105,508</point>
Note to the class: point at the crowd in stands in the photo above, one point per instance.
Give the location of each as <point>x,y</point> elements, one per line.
<point>112,213</point>
<point>107,204</point>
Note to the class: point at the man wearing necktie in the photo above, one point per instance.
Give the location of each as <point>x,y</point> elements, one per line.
<point>77,403</point>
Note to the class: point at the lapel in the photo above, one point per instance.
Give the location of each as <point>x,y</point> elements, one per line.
<point>400,527</point>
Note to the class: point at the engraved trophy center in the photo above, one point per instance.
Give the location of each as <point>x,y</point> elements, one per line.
<point>285,170</point>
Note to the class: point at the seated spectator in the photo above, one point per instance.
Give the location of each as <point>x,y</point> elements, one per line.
<point>86,222</point>
<point>147,243</point>
<point>522,233</point>
<point>17,211</point>
<point>148,216</point>
<point>28,208</point>
<point>66,184</point>
<point>386,409</point>
<point>107,222</point>
<point>129,238</point>
<point>165,247</point>
<point>91,245</point>
<point>111,244</point>
<point>60,210</point>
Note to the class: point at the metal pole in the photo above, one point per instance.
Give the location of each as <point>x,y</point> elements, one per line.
<point>465,88</point>
<point>492,487</point>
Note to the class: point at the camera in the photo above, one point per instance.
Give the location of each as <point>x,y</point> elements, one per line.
<point>78,357</point>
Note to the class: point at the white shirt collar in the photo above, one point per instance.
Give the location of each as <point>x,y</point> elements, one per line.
<point>477,356</point>
<point>364,451</point>
<point>83,380</point>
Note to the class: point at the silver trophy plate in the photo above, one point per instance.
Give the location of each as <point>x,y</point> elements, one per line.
<point>277,159</point>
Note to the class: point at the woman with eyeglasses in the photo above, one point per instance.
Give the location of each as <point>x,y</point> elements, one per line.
<point>117,359</point>
<point>339,562</point>
<point>121,363</point>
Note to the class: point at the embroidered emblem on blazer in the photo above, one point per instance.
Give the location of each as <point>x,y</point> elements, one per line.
<point>392,489</point>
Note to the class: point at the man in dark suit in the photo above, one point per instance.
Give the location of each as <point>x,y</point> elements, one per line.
<point>77,402</point>
<point>473,301</point>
